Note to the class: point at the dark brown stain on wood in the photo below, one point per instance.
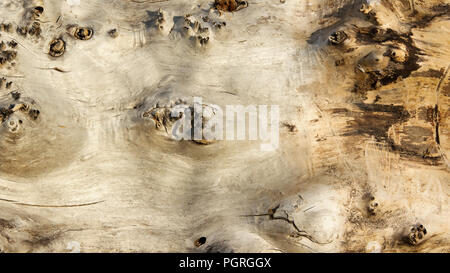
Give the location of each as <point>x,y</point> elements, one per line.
<point>441,10</point>
<point>373,119</point>
<point>394,71</point>
<point>430,73</point>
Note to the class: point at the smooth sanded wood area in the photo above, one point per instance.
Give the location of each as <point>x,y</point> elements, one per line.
<point>87,163</point>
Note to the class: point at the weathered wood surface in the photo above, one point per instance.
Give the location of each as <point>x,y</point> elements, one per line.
<point>363,89</point>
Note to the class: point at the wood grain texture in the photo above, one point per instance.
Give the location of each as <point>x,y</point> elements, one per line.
<point>363,89</point>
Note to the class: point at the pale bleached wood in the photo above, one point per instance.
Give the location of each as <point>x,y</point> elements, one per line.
<point>90,173</point>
